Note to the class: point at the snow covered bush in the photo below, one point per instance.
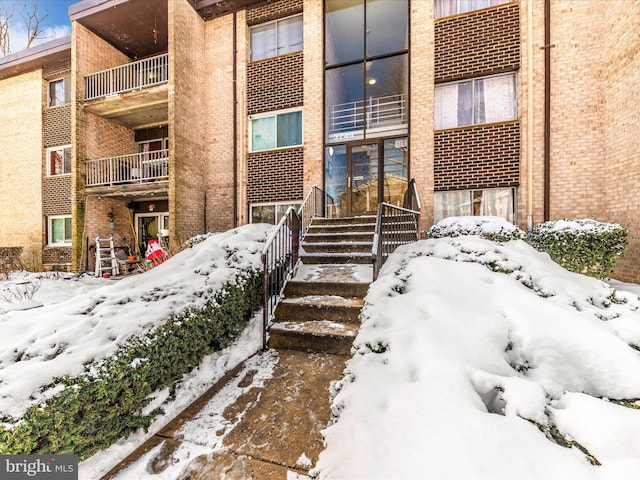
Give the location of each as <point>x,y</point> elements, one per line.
<point>478,360</point>
<point>583,246</point>
<point>491,228</point>
<point>82,374</point>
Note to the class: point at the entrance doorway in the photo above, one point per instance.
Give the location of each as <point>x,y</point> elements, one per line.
<point>150,226</point>
<point>359,175</point>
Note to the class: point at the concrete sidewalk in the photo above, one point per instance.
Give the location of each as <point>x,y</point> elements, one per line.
<point>276,432</point>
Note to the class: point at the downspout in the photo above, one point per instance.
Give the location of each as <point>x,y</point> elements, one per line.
<point>529,116</point>
<point>547,108</point>
<point>235,123</point>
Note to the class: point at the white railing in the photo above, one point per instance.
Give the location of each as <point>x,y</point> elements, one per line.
<point>126,169</point>
<point>124,78</point>
<point>372,112</point>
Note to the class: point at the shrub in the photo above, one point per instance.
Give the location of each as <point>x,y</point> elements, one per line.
<point>109,400</point>
<point>490,228</point>
<point>583,246</point>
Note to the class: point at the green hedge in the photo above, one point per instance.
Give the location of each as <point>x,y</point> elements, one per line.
<point>583,246</point>
<point>106,403</point>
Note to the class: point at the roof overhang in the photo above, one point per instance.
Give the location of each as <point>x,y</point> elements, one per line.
<point>43,55</point>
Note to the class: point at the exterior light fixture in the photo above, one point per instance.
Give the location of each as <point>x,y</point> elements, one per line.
<point>111,217</point>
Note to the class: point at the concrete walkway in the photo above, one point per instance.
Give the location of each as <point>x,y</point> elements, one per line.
<point>271,430</point>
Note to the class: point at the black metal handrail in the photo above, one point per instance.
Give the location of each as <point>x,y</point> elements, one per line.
<point>279,258</point>
<point>395,226</point>
<point>281,252</point>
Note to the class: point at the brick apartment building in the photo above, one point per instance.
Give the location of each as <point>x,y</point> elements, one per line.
<point>176,117</point>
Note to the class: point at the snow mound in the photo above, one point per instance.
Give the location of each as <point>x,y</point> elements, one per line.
<point>479,360</point>
<point>40,344</point>
<point>491,228</point>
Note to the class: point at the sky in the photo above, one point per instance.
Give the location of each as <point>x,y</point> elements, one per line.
<point>475,360</point>
<point>56,24</point>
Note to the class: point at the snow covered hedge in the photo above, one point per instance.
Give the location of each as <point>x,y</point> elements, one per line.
<point>491,228</point>
<point>78,376</point>
<point>583,246</point>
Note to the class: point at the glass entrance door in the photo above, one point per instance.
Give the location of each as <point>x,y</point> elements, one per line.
<point>359,175</point>
<point>362,180</point>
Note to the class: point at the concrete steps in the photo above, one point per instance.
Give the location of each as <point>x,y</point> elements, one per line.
<point>321,306</point>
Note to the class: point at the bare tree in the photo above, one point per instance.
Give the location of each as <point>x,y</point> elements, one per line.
<point>32,20</point>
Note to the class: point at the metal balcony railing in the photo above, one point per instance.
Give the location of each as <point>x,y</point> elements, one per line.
<point>373,112</point>
<point>125,78</point>
<point>135,168</point>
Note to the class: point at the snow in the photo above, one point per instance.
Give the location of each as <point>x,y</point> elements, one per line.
<point>471,354</point>
<point>40,344</point>
<point>469,351</point>
<point>475,225</point>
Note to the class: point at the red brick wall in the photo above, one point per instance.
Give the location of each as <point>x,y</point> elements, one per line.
<point>275,83</point>
<point>483,156</point>
<point>275,176</point>
<point>273,11</point>
<point>57,195</point>
<point>478,43</point>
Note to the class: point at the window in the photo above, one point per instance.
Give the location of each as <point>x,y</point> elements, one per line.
<point>59,230</point>
<point>476,101</point>
<point>60,92</point>
<point>276,38</point>
<point>275,130</point>
<point>59,160</point>
<point>270,213</point>
<point>445,8</point>
<point>366,68</point>
<point>497,202</point>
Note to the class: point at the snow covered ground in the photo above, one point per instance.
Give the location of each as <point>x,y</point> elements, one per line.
<point>475,360</point>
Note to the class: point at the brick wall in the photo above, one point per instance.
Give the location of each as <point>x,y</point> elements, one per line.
<point>275,176</point>
<point>93,137</point>
<point>57,195</point>
<point>313,66</point>
<point>219,127</point>
<point>21,219</point>
<point>477,44</point>
<point>621,120</point>
<point>484,156</point>
<point>421,138</point>
<point>275,83</point>
<point>57,126</point>
<point>273,11</point>
<point>187,148</point>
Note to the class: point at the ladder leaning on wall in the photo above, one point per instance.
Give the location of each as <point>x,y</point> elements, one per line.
<point>106,261</point>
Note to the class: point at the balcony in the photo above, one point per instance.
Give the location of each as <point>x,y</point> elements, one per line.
<point>134,95</point>
<point>379,115</point>
<point>135,169</point>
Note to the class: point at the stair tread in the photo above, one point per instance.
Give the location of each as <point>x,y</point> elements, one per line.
<point>325,300</point>
<point>317,327</point>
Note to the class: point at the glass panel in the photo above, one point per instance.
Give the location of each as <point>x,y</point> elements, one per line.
<point>263,42</point>
<point>67,230</point>
<point>344,94</point>
<point>465,104</point>
<point>446,106</point>
<point>57,230</point>
<point>147,230</point>
<point>386,85</point>
<point>451,204</point>
<point>396,162</point>
<point>495,99</point>
<point>387,26</point>
<point>335,180</point>
<point>498,202</point>
<point>56,162</point>
<point>290,35</point>
<point>67,160</point>
<point>344,31</point>
<point>289,129</point>
<point>364,178</point>
<point>263,133</point>
<point>263,214</point>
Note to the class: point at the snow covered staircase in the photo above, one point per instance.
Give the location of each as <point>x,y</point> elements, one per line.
<point>339,240</point>
<point>321,309</point>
